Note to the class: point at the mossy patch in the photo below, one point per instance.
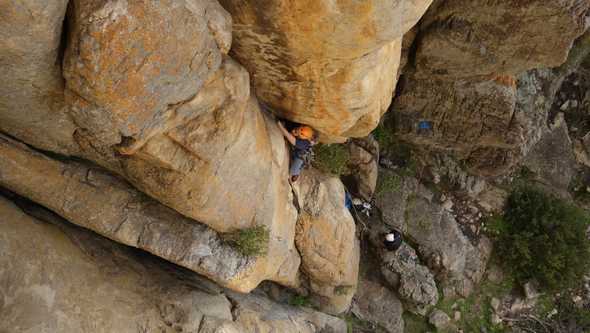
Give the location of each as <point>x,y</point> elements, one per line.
<point>331,158</point>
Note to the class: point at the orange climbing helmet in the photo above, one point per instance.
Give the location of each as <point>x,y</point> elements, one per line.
<point>304,132</point>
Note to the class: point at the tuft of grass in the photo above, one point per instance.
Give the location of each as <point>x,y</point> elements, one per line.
<point>342,290</point>
<point>331,158</point>
<point>250,241</point>
<point>476,310</point>
<point>384,136</point>
<point>416,324</point>
<point>388,182</point>
<point>299,300</point>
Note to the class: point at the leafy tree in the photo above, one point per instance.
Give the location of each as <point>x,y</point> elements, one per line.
<point>544,238</point>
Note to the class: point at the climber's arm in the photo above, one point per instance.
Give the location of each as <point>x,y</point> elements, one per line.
<point>290,137</point>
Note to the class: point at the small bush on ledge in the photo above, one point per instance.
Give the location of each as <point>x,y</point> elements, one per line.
<point>543,238</point>
<point>250,241</point>
<point>331,158</point>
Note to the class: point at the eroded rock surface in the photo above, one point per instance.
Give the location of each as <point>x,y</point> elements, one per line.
<point>329,64</point>
<point>326,239</point>
<point>378,304</point>
<point>128,65</point>
<point>60,278</point>
<point>96,200</point>
<point>259,314</point>
<point>31,92</point>
<point>472,38</point>
<point>414,282</point>
<point>552,160</point>
<point>469,78</point>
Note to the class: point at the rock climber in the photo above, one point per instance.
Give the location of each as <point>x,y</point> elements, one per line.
<point>302,138</point>
<point>392,240</point>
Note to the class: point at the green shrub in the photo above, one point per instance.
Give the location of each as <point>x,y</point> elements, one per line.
<point>388,182</point>
<point>544,238</point>
<point>332,158</point>
<point>384,136</point>
<point>299,300</point>
<point>250,241</point>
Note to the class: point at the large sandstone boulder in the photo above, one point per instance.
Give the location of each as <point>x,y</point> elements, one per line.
<point>326,239</point>
<point>31,92</point>
<point>329,64</point>
<point>60,278</point>
<point>129,65</point>
<point>465,38</point>
<point>174,116</point>
<point>94,199</point>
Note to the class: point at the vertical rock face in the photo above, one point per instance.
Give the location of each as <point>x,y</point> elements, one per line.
<point>325,237</point>
<point>73,282</point>
<point>552,159</point>
<point>467,77</point>
<point>31,91</point>
<point>468,38</point>
<point>328,64</point>
<point>474,120</point>
<point>174,116</point>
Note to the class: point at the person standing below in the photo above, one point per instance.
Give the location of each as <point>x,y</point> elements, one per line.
<point>302,138</point>
<point>393,240</point>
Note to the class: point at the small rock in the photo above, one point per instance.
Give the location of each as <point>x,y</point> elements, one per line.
<point>552,313</point>
<point>436,178</point>
<point>518,305</point>
<point>530,291</point>
<point>495,274</point>
<point>448,205</point>
<point>574,104</point>
<point>496,320</point>
<point>457,316</point>
<point>565,106</point>
<point>495,304</point>
<point>577,300</point>
<point>449,292</point>
<point>439,319</point>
